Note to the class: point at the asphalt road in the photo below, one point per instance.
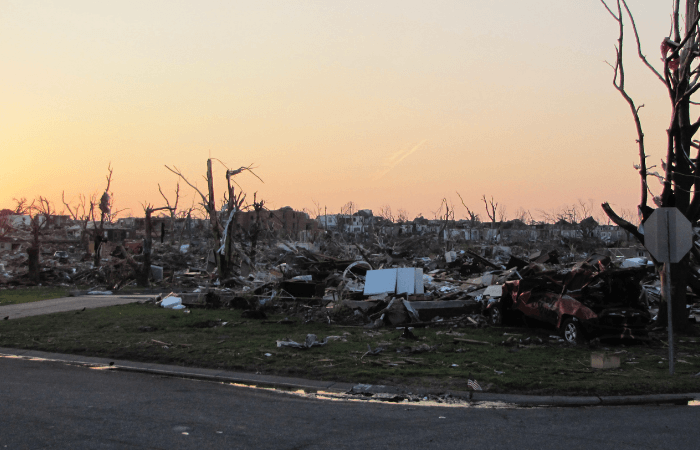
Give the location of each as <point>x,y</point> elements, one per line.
<point>54,405</point>
<point>67,304</point>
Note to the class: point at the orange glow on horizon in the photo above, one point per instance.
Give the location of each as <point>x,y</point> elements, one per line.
<point>398,103</point>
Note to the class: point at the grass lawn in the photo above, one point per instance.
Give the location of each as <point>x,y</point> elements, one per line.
<point>145,332</point>
<point>30,294</point>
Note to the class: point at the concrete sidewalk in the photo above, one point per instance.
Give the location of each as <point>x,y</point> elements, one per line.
<point>67,304</point>
<point>277,382</point>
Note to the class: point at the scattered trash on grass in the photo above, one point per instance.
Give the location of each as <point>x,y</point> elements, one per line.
<point>311,341</point>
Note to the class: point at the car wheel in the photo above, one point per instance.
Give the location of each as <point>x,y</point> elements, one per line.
<point>496,315</point>
<point>572,332</point>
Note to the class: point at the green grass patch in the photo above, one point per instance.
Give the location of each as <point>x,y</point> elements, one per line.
<point>30,294</point>
<point>145,332</point>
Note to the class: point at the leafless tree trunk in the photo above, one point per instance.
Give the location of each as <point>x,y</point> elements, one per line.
<point>502,214</point>
<point>81,214</point>
<point>256,227</point>
<point>491,209</point>
<point>41,211</point>
<point>402,216</point>
<point>446,217</point>
<point>172,208</point>
<point>84,213</point>
<point>222,222</point>
<point>105,207</point>
<point>472,216</point>
<point>680,178</point>
<point>142,270</point>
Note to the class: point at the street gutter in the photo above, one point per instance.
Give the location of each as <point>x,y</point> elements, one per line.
<point>287,383</point>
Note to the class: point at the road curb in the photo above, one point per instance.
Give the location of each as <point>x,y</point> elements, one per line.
<point>292,384</point>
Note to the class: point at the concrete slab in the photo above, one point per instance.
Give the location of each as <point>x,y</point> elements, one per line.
<point>68,304</point>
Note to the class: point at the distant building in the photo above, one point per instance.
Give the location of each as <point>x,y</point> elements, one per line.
<point>282,221</point>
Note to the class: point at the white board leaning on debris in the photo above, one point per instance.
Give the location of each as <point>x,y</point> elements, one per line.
<point>394,281</point>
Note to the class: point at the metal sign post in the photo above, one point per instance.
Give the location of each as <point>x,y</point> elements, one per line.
<point>667,294</point>
<point>668,236</point>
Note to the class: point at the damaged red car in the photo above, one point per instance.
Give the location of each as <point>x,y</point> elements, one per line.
<point>591,300</point>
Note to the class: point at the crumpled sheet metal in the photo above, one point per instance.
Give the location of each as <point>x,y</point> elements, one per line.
<point>311,341</point>
<point>351,284</point>
<point>546,306</point>
<point>568,306</point>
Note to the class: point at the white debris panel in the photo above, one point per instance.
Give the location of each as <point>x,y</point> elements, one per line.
<point>394,281</point>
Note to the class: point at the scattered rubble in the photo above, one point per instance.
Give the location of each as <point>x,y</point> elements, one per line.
<point>374,277</point>
<point>311,341</point>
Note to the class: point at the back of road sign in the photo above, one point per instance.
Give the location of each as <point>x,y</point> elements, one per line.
<point>668,235</point>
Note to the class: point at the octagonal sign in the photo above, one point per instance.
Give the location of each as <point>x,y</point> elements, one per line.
<point>668,235</point>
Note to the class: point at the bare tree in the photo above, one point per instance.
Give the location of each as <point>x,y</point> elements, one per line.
<point>491,209</point>
<point>6,226</point>
<point>385,219</point>
<point>22,207</point>
<point>222,222</point>
<point>256,228</point>
<point>584,210</point>
<point>348,209</point>
<point>85,212</point>
<point>626,214</point>
<point>679,178</point>
<point>524,216</point>
<point>471,215</point>
<point>446,214</point>
<point>172,209</point>
<point>502,214</point>
<point>143,269</point>
<point>385,213</point>
<point>80,213</point>
<point>569,214</point>
<point>187,216</point>
<point>572,214</point>
<point>402,216</point>
<point>40,211</point>
<point>316,212</point>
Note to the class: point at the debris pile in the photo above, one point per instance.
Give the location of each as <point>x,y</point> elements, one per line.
<point>372,279</point>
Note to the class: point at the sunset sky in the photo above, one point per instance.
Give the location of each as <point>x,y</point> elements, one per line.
<point>395,103</point>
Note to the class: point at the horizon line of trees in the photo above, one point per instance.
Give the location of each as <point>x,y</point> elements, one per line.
<point>495,212</point>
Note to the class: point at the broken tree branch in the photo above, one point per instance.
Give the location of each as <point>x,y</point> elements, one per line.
<point>622,223</point>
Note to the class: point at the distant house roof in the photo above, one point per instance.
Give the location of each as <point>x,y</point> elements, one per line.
<point>589,222</point>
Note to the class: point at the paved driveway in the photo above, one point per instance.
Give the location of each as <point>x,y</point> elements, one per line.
<point>67,304</point>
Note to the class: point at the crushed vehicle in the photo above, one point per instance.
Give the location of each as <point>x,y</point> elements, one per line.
<point>593,299</point>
